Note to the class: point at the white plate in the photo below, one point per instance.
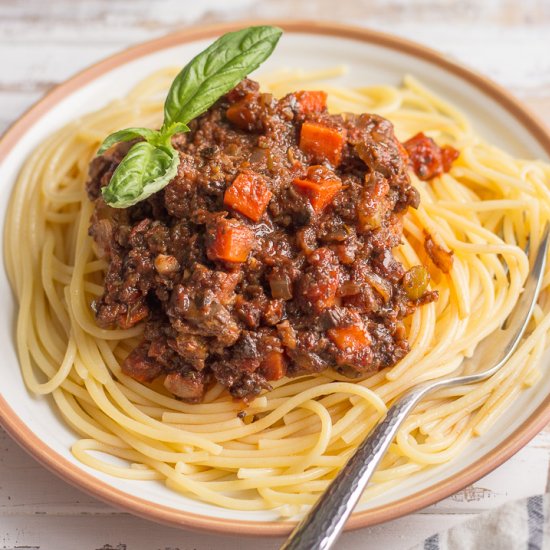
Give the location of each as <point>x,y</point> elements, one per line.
<point>372,58</point>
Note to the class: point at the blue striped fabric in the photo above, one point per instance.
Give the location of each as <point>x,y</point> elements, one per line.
<point>519,525</point>
<point>535,522</point>
<point>432,543</point>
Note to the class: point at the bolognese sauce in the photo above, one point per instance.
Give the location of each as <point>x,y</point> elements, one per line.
<point>269,254</point>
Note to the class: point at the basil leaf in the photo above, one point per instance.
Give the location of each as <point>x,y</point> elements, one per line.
<point>166,133</point>
<point>144,170</point>
<point>177,128</point>
<point>217,70</point>
<point>151,164</point>
<point>126,135</point>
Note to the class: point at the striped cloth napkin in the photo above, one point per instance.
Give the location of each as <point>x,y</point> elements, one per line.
<point>523,524</point>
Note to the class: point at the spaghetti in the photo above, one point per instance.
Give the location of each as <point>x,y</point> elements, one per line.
<point>282,450</point>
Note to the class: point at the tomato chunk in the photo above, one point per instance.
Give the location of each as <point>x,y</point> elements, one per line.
<point>249,195</point>
<point>311,101</point>
<point>320,186</point>
<point>322,142</point>
<point>427,159</point>
<point>448,156</point>
<point>349,338</point>
<point>232,242</point>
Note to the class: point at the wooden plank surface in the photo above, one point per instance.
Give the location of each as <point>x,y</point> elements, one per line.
<point>44,42</point>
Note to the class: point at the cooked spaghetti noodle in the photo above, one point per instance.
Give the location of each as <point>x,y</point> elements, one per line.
<point>285,447</point>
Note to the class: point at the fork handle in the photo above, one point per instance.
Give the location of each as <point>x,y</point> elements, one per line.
<point>323,524</point>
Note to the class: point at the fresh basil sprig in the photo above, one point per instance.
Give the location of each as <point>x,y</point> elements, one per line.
<point>147,168</point>
<point>152,163</point>
<point>127,135</point>
<point>217,70</point>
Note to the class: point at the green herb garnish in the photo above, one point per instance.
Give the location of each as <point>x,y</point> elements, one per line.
<point>150,165</point>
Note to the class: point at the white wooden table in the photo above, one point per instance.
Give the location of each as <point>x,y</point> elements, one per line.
<point>42,42</point>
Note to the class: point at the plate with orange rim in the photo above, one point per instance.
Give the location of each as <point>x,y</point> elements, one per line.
<point>372,58</point>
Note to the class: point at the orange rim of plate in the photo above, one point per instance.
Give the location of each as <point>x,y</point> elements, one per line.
<point>71,473</point>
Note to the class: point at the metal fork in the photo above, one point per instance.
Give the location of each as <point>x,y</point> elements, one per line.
<point>326,519</point>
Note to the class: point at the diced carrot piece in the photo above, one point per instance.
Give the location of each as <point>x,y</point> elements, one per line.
<point>232,243</point>
<point>241,114</point>
<point>320,195</point>
<point>249,195</point>
<point>320,187</point>
<point>349,338</point>
<point>323,295</point>
<point>273,367</point>
<point>322,142</point>
<point>311,101</point>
